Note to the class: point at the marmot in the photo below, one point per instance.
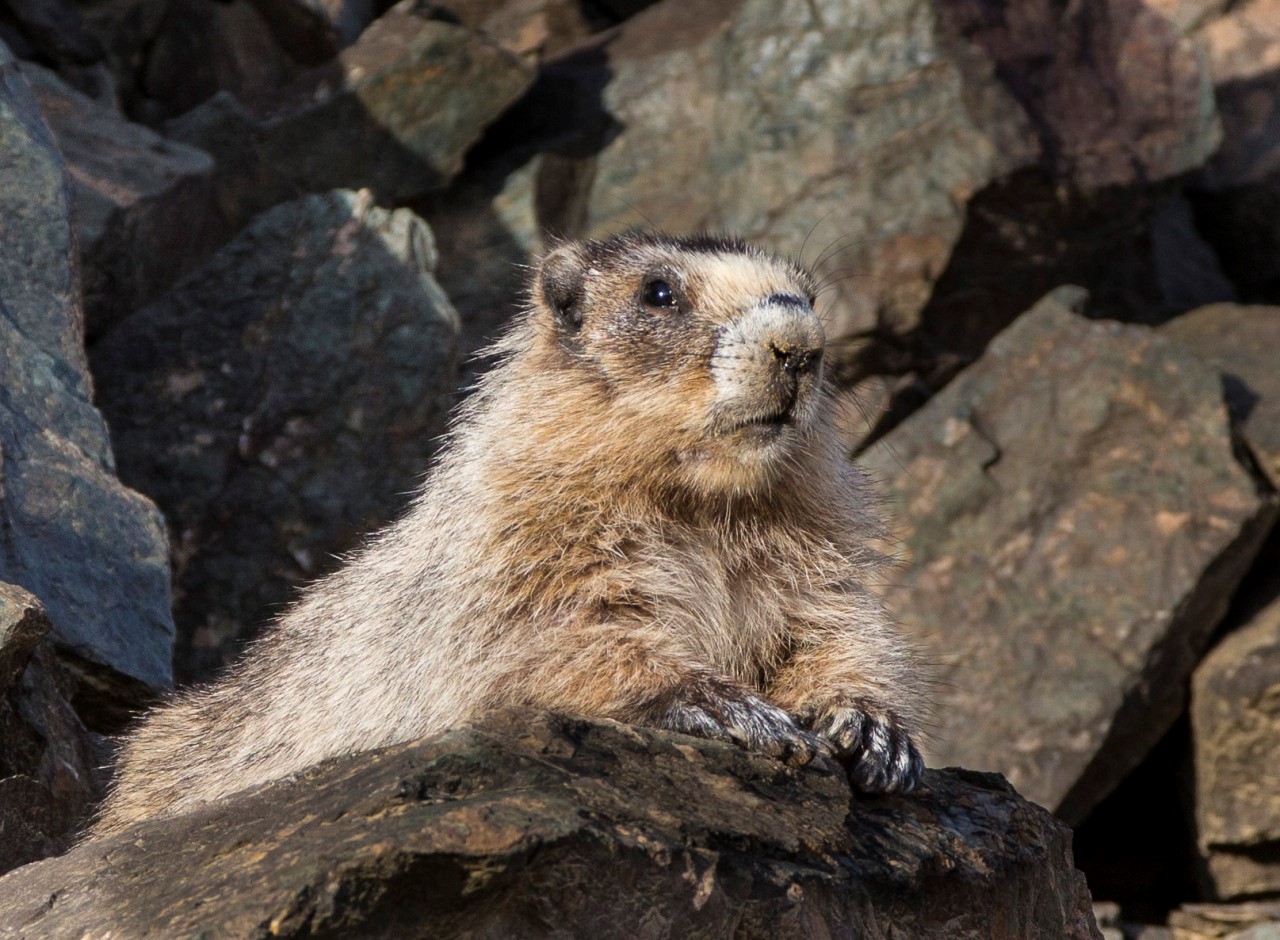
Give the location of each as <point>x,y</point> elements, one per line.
<point>642,513</point>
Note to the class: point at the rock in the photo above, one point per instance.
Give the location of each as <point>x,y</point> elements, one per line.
<point>1031,490</point>
<point>1244,343</point>
<point>125,30</point>
<point>279,403</point>
<point>536,825</point>
<point>856,141</point>
<point>1238,197</point>
<point>1235,717</point>
<point>1255,921</point>
<point>314,30</point>
<point>396,113</point>
<point>92,551</point>
<point>47,760</point>
<point>56,30</point>
<point>1187,269</point>
<point>494,236</point>
<point>532,29</point>
<point>201,48</point>
<point>143,207</point>
<point>1116,94</point>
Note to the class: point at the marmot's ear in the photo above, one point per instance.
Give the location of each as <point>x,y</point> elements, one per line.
<point>559,284</point>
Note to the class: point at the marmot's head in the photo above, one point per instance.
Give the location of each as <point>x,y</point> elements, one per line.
<point>707,351</point>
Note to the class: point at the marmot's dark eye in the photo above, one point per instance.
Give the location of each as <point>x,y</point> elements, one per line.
<point>658,293</point>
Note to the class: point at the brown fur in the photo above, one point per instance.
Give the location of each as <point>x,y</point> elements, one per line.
<point>616,528</point>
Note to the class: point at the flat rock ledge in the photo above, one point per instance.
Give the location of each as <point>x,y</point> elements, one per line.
<point>536,825</point>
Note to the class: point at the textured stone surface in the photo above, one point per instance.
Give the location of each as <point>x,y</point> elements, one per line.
<point>532,29</point>
<point>90,549</point>
<point>1239,206</point>
<point>1256,921</point>
<point>396,112</point>
<point>281,401</point>
<point>855,131</point>
<point>1244,343</point>
<point>1074,522</point>
<point>1116,94</point>
<point>1235,718</point>
<point>534,825</point>
<point>142,206</point>
<point>47,761</point>
<point>201,48</point>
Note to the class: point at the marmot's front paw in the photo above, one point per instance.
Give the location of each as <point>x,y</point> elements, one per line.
<point>873,744</point>
<point>714,709</point>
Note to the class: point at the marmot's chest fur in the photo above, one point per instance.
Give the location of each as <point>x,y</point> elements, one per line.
<point>642,513</point>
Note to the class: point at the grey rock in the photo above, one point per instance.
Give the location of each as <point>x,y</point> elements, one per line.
<point>536,825</point>
<point>143,207</point>
<point>91,550</point>
<point>1031,491</point>
<point>396,112</point>
<point>279,403</point>
<point>1235,720</point>
<point>47,759</point>
<point>855,133</point>
<point>1244,343</point>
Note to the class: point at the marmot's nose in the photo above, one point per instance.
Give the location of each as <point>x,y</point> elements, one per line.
<point>796,360</point>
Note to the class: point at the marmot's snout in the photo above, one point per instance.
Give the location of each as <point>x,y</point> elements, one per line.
<point>769,364</point>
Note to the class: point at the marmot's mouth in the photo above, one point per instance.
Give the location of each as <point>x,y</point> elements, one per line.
<point>767,426</point>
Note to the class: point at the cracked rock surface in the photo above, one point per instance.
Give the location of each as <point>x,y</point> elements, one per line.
<point>536,825</point>
<point>279,403</point>
<point>1075,520</point>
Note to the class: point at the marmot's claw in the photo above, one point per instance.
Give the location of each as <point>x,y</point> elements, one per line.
<point>875,747</point>
<point>725,713</point>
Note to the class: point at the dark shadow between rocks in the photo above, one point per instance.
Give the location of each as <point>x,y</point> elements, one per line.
<point>1137,847</point>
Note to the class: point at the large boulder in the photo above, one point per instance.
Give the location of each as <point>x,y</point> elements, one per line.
<point>1118,96</point>
<point>48,762</point>
<point>142,206</point>
<point>1075,520</point>
<point>851,135</point>
<point>279,403</point>
<point>535,825</point>
<point>92,551</point>
<point>1235,720</point>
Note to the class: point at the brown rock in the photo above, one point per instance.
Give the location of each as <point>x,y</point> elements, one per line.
<point>1244,343</point>
<point>47,761</point>
<point>1235,718</point>
<point>315,30</point>
<point>1238,204</point>
<point>532,29</point>
<point>1256,921</point>
<point>1031,492</point>
<point>535,825</point>
<point>142,206</point>
<point>395,113</point>
<point>1116,94</point>
<point>201,48</point>
<point>279,403</point>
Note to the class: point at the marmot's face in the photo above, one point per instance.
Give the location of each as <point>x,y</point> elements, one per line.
<point>714,347</point>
